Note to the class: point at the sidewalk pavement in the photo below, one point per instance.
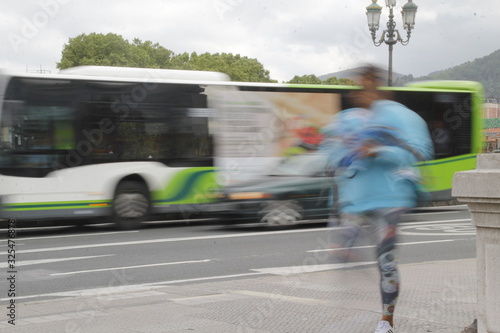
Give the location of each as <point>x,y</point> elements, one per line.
<point>438,297</point>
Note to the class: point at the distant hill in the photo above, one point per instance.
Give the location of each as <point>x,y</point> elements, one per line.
<point>485,70</point>
<point>352,73</point>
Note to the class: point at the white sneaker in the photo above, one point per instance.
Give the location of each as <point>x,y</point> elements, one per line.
<point>385,327</point>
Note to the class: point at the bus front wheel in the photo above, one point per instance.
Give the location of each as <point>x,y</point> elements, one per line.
<point>130,204</point>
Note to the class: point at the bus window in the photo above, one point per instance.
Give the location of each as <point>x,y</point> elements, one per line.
<point>163,126</point>
<point>448,116</point>
<point>35,135</point>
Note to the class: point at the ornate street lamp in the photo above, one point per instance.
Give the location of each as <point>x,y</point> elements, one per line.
<point>391,35</point>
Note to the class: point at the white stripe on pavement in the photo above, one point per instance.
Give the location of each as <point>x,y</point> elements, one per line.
<point>397,244</point>
<point>75,235</point>
<point>310,268</point>
<point>166,240</point>
<point>47,261</point>
<point>433,222</point>
<point>132,267</point>
<point>196,238</point>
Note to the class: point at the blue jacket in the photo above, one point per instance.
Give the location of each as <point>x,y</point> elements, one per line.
<point>388,179</point>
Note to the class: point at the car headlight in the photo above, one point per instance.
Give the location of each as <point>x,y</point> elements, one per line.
<point>217,195</point>
<point>249,195</point>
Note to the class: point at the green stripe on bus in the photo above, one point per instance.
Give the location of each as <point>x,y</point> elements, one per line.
<point>190,186</point>
<point>438,174</point>
<point>55,205</point>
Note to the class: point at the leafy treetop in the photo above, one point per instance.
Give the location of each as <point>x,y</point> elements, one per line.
<point>113,50</point>
<point>313,79</point>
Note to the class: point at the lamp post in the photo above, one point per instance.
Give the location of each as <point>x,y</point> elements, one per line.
<point>391,35</point>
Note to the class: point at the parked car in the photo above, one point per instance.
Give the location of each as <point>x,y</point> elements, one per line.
<point>295,190</point>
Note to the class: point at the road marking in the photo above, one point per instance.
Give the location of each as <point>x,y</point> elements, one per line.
<point>397,244</point>
<point>439,229</point>
<point>131,267</point>
<point>292,270</point>
<point>434,222</point>
<point>48,261</point>
<point>205,299</point>
<point>301,270</point>
<point>77,235</point>
<point>279,297</point>
<point>166,240</point>
<point>197,238</point>
<point>109,291</point>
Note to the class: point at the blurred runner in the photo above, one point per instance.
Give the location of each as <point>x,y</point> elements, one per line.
<point>373,149</point>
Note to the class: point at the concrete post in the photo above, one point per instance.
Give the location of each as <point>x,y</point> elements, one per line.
<point>480,190</point>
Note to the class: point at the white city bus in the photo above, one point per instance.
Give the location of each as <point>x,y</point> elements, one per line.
<point>92,142</point>
<point>127,143</point>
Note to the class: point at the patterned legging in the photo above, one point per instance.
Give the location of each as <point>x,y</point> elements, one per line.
<point>382,224</point>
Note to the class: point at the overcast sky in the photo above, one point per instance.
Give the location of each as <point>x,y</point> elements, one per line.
<point>289,37</point>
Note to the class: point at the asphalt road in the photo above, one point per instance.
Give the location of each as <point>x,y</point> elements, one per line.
<point>71,261</point>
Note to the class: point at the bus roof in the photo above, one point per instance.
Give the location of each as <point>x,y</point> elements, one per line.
<point>447,85</point>
<point>437,85</point>
<point>129,74</point>
<point>138,73</point>
<point>132,74</point>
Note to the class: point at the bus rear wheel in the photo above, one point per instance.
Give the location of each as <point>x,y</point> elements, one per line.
<point>131,204</point>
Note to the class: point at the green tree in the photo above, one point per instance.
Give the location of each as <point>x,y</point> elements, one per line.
<point>339,82</point>
<point>237,67</point>
<point>151,55</point>
<point>313,79</point>
<point>113,50</point>
<point>305,79</point>
<point>95,49</point>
